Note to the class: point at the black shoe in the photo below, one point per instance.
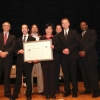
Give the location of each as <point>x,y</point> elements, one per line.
<point>95,95</point>
<point>66,94</point>
<point>53,96</point>
<point>58,91</point>
<point>42,93</point>
<point>8,95</point>
<point>14,97</point>
<point>74,95</point>
<point>47,96</point>
<point>86,92</point>
<point>29,98</point>
<point>11,98</point>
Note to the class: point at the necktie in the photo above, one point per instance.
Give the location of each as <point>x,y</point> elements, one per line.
<point>66,35</point>
<point>24,39</point>
<point>5,38</point>
<point>83,33</point>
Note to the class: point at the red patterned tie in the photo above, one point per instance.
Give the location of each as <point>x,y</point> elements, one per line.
<point>5,38</point>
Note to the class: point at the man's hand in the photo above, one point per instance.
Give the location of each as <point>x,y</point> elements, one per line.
<point>3,54</point>
<point>66,51</point>
<point>82,54</point>
<point>21,51</point>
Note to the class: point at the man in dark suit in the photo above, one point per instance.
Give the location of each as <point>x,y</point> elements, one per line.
<point>7,44</point>
<point>58,30</point>
<point>69,42</point>
<point>23,66</point>
<point>88,60</point>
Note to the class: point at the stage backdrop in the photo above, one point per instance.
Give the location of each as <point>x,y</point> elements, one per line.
<point>40,12</point>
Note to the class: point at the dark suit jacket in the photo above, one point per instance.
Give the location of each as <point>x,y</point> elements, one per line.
<point>9,47</point>
<point>87,44</point>
<point>71,43</point>
<point>19,45</point>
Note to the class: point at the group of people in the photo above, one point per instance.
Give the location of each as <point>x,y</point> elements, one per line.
<point>68,48</point>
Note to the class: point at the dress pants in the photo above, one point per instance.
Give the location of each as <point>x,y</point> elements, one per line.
<point>57,72</point>
<point>49,72</point>
<point>6,65</point>
<point>38,70</point>
<point>90,75</point>
<point>27,67</point>
<point>69,67</point>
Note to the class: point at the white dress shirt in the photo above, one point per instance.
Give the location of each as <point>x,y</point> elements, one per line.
<point>7,34</point>
<point>26,37</point>
<point>35,35</point>
<point>66,31</point>
<point>83,33</point>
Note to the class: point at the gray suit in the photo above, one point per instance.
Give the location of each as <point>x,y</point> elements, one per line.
<point>38,70</point>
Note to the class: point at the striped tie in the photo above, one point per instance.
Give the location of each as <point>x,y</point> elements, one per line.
<point>24,39</point>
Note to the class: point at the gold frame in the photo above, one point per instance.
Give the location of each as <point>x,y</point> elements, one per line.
<point>38,42</point>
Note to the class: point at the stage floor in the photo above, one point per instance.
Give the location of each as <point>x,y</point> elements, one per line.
<point>36,96</point>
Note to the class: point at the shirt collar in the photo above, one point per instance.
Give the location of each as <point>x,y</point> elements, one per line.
<point>84,31</point>
<point>6,33</point>
<point>66,30</point>
<point>34,34</point>
<point>25,35</point>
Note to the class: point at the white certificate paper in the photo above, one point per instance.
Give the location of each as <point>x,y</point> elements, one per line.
<point>38,50</point>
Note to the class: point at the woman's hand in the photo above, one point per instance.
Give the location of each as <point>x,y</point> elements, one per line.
<point>35,61</point>
<point>52,46</point>
<point>29,61</point>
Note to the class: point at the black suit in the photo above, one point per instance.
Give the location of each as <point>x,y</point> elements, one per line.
<point>49,69</point>
<point>6,63</point>
<point>22,66</point>
<point>57,68</point>
<point>88,64</point>
<point>69,62</point>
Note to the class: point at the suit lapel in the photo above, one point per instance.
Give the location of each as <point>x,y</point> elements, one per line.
<point>28,38</point>
<point>80,36</point>
<point>84,35</point>
<point>69,35</point>
<point>63,38</point>
<point>2,38</point>
<point>9,38</point>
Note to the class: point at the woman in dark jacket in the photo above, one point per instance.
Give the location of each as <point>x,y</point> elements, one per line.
<point>49,67</point>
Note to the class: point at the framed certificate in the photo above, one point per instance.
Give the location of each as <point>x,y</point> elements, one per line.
<point>37,50</point>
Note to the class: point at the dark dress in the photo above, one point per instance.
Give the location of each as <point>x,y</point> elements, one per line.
<point>49,68</point>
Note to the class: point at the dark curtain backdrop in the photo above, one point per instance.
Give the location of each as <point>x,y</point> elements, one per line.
<point>40,12</point>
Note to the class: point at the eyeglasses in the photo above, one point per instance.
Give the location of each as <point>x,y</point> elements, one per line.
<point>6,25</point>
